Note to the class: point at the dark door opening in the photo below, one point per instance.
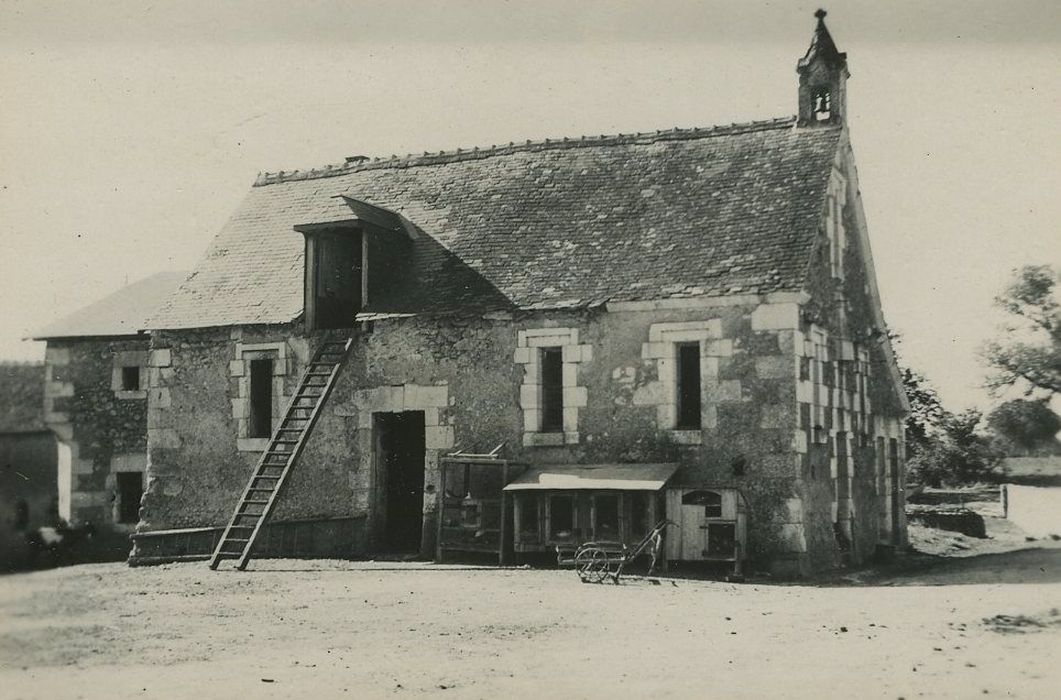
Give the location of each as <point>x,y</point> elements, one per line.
<point>401,473</point>
<point>130,489</point>
<point>336,275</point>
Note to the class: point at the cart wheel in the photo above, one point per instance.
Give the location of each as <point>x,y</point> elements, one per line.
<point>592,565</point>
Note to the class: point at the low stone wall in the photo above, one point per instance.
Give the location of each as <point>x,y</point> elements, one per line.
<point>960,520</point>
<point>1035,509</point>
<point>333,538</point>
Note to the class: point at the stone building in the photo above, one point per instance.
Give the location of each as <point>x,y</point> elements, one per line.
<point>95,402</point>
<point>28,491</point>
<point>702,298</point>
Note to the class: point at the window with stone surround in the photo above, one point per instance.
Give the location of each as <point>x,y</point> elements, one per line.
<point>261,398</point>
<point>550,395</point>
<point>685,356</point>
<point>128,374</point>
<point>259,370</point>
<point>688,390</point>
<point>552,390</point>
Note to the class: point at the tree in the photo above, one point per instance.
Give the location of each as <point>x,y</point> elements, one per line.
<point>1025,425</point>
<point>926,411</point>
<point>957,454</point>
<point>1030,356</point>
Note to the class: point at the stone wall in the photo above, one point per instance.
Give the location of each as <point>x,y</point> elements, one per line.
<point>847,392</point>
<point>101,426</point>
<point>470,375</point>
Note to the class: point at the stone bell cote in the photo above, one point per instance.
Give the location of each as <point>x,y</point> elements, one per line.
<point>822,80</point>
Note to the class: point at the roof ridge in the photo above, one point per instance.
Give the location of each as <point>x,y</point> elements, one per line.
<point>426,158</point>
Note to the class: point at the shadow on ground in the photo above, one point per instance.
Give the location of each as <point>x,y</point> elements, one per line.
<point>1031,565</point>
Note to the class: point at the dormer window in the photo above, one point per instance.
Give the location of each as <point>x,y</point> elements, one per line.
<point>822,104</point>
<point>334,278</point>
<point>355,255</point>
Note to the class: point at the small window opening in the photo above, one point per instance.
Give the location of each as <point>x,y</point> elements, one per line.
<point>130,490</point>
<point>822,104</point>
<point>721,540</point>
<point>689,386</point>
<point>261,398</point>
<point>606,526</point>
<point>710,500</point>
<point>561,517</point>
<point>131,378</point>
<point>552,390</point>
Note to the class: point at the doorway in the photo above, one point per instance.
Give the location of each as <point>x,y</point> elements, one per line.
<point>400,479</point>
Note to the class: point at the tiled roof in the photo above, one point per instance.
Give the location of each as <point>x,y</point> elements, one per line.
<point>122,313</point>
<point>571,222</point>
<point>21,397</point>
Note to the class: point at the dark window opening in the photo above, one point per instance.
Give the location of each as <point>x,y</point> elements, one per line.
<point>334,279</point>
<point>740,465</point>
<point>561,517</point>
<point>261,415</point>
<point>130,379</point>
<point>528,517</point>
<point>130,490</point>
<point>552,390</point>
<point>639,514</point>
<point>822,104</point>
<point>710,500</point>
<point>721,540</point>
<point>689,386</point>
<point>606,526</point>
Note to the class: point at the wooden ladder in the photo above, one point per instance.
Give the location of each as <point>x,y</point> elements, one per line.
<point>285,446</point>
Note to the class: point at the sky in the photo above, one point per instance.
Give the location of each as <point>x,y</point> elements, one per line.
<point>129,131</point>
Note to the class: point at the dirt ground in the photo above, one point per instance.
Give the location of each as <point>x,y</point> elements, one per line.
<point>986,623</point>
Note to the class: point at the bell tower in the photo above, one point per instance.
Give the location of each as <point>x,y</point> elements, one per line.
<point>822,80</point>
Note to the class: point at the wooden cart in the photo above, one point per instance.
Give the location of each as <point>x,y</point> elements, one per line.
<point>596,561</point>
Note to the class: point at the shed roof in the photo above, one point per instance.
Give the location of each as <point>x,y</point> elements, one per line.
<point>122,313</point>
<point>562,223</point>
<point>596,477</point>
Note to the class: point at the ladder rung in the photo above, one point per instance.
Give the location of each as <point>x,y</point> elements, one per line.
<point>265,483</point>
